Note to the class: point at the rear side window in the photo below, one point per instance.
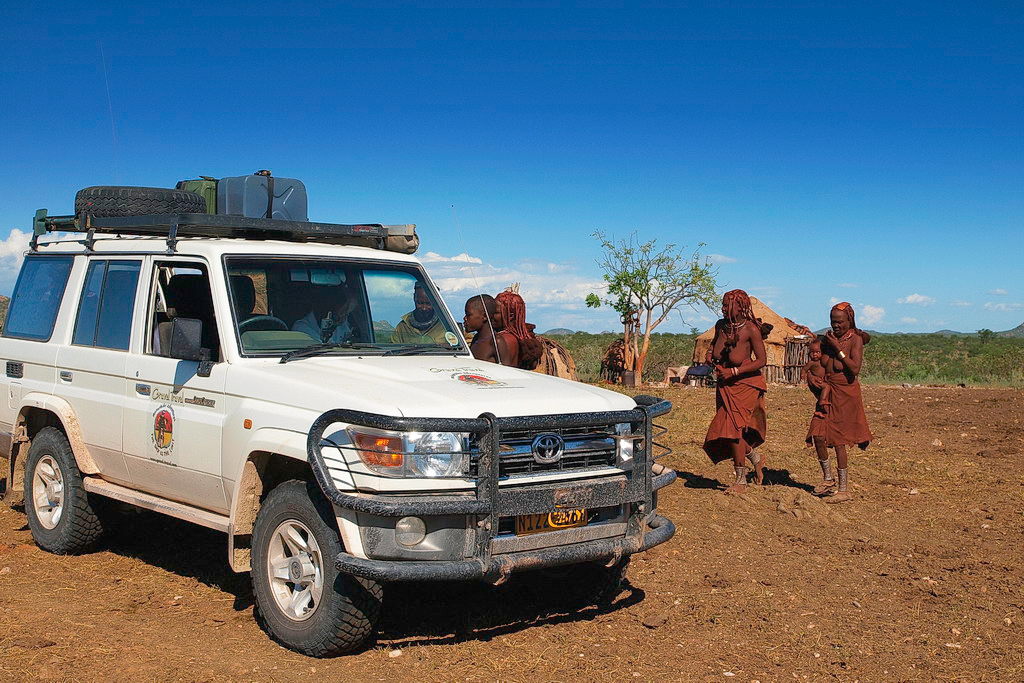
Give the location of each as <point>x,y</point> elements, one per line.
<point>105,309</point>
<point>37,297</point>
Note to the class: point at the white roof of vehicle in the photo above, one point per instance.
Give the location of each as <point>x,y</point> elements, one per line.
<point>213,248</point>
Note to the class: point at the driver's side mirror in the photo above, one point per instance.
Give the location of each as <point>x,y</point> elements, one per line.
<point>187,344</point>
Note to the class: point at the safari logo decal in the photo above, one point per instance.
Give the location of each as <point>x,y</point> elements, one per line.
<point>478,380</point>
<point>163,430</point>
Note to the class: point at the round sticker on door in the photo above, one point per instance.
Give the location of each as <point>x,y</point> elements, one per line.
<point>451,339</point>
<point>163,429</point>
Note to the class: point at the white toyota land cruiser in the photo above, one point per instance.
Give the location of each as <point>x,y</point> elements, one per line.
<point>266,378</point>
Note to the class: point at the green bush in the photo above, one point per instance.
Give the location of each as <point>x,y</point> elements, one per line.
<point>889,358</point>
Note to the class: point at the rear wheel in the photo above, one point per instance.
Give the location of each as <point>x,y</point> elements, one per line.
<point>114,201</point>
<point>302,600</point>
<point>60,513</point>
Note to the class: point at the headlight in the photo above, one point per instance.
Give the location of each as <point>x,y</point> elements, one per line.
<point>410,454</point>
<point>625,444</point>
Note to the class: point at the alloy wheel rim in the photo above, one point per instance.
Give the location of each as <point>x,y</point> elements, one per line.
<point>295,569</point>
<point>48,492</point>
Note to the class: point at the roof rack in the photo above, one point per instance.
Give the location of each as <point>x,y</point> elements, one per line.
<point>174,226</point>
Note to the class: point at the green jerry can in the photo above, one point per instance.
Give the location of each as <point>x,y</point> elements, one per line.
<point>205,187</point>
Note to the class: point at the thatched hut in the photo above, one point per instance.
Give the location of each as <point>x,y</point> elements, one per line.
<point>786,345</point>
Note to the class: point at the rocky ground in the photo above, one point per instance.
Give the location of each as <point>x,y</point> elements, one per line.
<point>918,579</point>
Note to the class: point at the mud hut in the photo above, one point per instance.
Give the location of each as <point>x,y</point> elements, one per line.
<point>786,345</point>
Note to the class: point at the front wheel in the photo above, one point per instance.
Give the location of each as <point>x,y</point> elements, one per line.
<point>302,600</point>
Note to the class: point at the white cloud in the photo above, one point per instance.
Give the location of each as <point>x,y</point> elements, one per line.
<point>960,304</point>
<point>909,321</point>
<point>998,291</point>
<point>433,257</point>
<point>833,301</point>
<point>720,258</point>
<point>848,285</point>
<point>916,299</point>
<point>554,293</point>
<point>1003,307</point>
<point>871,315</point>
<point>12,251</point>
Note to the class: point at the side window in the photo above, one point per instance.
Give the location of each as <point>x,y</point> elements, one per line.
<point>105,309</point>
<point>181,290</point>
<point>37,297</point>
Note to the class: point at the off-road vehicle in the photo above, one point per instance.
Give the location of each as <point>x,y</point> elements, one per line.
<point>269,379</point>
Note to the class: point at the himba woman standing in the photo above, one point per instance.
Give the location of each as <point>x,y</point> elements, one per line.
<point>844,423</point>
<point>738,355</point>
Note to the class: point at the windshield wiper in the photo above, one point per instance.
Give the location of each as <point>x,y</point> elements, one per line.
<point>414,349</point>
<point>321,349</point>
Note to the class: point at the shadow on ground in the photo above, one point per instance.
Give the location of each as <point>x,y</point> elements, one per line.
<point>424,612</point>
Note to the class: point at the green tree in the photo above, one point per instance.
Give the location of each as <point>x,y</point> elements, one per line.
<point>985,335</point>
<point>645,284</point>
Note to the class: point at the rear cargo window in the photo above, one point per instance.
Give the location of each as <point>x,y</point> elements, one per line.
<point>37,297</point>
<point>105,309</point>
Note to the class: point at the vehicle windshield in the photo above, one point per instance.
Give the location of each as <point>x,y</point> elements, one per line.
<point>283,305</point>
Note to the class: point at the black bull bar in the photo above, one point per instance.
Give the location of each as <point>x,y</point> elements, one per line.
<point>633,489</point>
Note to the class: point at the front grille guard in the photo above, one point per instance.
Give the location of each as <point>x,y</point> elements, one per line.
<point>634,488</point>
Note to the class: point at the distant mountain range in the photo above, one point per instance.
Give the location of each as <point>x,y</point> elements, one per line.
<point>1015,332</point>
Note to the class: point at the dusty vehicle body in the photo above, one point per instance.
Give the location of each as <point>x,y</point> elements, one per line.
<point>164,370</point>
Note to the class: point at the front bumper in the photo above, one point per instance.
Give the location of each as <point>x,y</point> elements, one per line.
<point>633,490</point>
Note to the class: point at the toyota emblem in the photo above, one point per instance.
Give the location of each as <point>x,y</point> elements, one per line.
<point>547,448</point>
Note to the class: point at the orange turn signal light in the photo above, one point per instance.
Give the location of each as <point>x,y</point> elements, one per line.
<point>382,451</point>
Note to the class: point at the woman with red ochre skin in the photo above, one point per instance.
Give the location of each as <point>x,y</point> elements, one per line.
<point>845,423</point>
<point>738,355</point>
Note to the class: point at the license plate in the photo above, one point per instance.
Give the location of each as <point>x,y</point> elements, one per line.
<point>562,518</point>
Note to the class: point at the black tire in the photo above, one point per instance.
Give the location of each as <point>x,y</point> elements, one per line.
<point>346,618</point>
<point>112,201</point>
<point>78,527</point>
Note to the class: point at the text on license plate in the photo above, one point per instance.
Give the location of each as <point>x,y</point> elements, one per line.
<point>548,521</point>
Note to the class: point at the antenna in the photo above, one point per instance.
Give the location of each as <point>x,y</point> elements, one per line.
<point>110,108</point>
<point>476,283</point>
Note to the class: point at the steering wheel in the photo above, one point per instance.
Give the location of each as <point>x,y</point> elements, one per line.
<point>260,323</point>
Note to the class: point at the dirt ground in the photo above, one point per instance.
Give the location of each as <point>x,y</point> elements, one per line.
<point>919,578</point>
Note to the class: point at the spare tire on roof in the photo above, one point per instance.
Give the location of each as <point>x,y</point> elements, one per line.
<point>111,201</point>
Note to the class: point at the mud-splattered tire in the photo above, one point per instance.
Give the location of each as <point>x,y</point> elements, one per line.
<point>60,513</point>
<point>302,601</point>
<point>114,201</point>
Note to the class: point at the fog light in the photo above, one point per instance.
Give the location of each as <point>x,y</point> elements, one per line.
<point>410,531</point>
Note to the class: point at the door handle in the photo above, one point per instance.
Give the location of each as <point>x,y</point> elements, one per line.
<point>66,375</point>
<point>142,389</point>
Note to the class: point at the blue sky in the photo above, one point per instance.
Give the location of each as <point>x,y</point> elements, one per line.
<point>846,151</point>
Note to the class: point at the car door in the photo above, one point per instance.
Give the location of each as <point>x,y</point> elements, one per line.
<point>174,417</point>
<point>91,369</point>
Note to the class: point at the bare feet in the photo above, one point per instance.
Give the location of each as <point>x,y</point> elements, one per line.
<point>737,489</point>
<point>759,469</point>
<point>825,487</point>
<point>839,497</point>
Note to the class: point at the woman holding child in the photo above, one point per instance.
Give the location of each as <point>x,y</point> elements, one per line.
<point>839,419</point>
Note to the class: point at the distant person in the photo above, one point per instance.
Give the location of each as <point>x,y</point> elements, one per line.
<point>740,423</point>
<point>512,320</point>
<point>844,423</point>
<point>480,320</point>
<point>814,375</point>
<point>329,322</point>
<point>421,325</point>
